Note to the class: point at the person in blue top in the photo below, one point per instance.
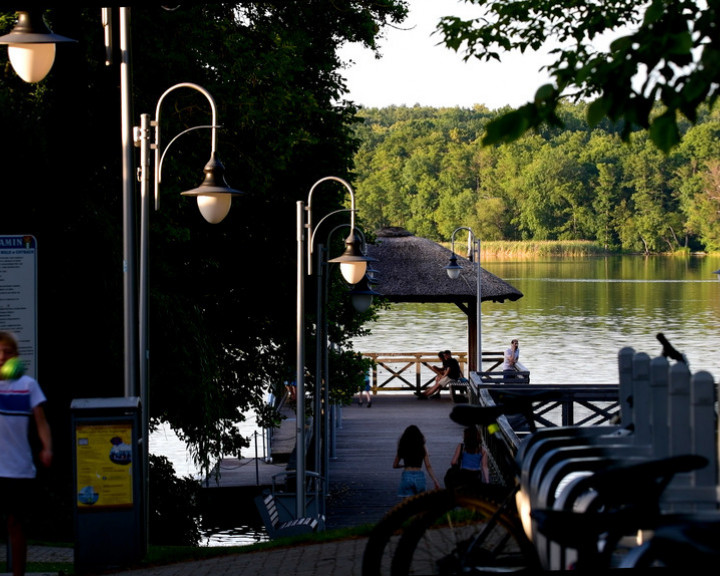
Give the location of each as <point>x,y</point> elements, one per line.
<point>365,391</point>
<point>471,457</point>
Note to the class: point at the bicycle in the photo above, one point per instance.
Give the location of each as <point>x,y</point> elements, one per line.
<point>688,542</point>
<point>471,531</point>
<point>490,505</point>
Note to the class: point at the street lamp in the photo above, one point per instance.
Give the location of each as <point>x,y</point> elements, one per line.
<point>31,46</point>
<point>213,198</point>
<point>361,297</point>
<point>353,264</point>
<point>453,271</point>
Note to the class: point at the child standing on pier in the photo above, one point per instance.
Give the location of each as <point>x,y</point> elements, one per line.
<point>411,454</point>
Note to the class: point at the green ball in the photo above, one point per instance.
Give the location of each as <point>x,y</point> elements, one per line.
<point>12,369</point>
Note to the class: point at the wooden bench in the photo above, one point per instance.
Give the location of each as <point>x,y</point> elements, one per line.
<point>275,527</point>
<point>460,390</point>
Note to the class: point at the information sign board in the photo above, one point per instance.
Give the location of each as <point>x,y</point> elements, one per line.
<point>18,295</point>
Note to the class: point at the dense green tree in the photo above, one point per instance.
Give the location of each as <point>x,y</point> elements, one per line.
<point>703,209</point>
<point>655,221</point>
<point>696,182</point>
<point>603,153</point>
<point>579,183</point>
<point>219,337</point>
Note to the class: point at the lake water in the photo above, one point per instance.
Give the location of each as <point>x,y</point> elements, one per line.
<point>574,317</point>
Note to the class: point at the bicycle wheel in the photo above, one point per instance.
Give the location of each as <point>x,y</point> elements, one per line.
<point>385,535</point>
<point>471,534</point>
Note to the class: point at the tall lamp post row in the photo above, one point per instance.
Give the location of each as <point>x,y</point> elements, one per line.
<point>31,50</point>
<point>353,265</point>
<point>453,271</point>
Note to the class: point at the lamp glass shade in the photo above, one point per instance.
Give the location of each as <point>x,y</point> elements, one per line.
<point>353,271</point>
<point>214,207</point>
<point>32,62</point>
<point>453,271</point>
<point>213,194</point>
<point>361,302</point>
<point>353,263</point>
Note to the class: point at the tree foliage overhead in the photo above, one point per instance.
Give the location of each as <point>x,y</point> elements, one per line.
<point>427,170</point>
<point>665,51</point>
<point>222,322</point>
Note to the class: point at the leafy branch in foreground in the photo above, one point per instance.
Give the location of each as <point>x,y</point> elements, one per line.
<point>666,52</point>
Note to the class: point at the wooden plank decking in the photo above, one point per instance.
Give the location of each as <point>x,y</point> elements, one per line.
<point>363,483</point>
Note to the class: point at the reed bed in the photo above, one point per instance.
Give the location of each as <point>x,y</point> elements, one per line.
<point>509,250</point>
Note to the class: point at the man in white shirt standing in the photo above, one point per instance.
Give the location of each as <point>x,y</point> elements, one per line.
<point>21,399</point>
<point>512,356</point>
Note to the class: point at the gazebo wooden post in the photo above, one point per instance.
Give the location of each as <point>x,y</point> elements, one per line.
<point>472,340</point>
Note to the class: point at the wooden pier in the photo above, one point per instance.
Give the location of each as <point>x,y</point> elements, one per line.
<point>363,484</point>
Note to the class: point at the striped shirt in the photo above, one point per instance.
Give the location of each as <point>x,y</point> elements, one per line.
<point>18,398</point>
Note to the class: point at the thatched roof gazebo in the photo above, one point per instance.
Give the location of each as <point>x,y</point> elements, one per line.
<point>412,269</point>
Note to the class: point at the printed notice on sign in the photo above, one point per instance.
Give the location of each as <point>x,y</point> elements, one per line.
<point>104,465</point>
<point>18,295</point>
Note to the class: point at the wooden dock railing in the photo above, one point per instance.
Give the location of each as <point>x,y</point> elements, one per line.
<point>410,371</point>
<point>577,405</point>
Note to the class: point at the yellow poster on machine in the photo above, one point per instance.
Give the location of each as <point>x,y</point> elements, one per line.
<point>104,465</point>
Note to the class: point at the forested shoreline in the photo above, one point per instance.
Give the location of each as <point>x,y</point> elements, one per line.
<point>425,169</point>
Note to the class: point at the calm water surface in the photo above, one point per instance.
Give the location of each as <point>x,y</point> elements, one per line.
<point>575,316</point>
<point>573,319</point>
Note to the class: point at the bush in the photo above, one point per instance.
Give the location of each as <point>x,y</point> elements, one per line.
<point>174,506</point>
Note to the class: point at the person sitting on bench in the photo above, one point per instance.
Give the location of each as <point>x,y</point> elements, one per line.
<point>450,371</point>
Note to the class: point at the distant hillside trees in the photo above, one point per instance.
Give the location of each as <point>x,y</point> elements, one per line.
<point>427,170</point>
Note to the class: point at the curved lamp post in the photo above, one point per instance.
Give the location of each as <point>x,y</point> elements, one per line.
<point>213,197</point>
<point>361,296</point>
<point>352,266</point>
<point>31,46</point>
<point>453,271</point>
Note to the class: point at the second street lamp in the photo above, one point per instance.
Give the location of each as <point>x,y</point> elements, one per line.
<point>352,266</point>
<point>361,297</point>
